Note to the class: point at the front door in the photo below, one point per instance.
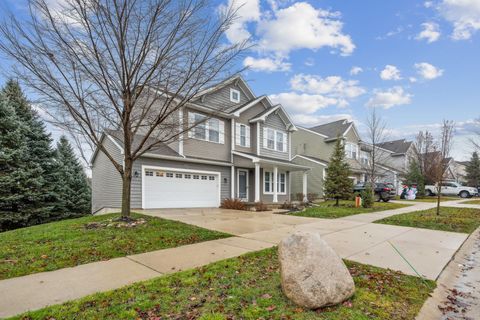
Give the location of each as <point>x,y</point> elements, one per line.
<point>243,184</point>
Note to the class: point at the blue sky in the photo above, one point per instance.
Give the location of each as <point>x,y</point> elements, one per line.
<point>416,61</point>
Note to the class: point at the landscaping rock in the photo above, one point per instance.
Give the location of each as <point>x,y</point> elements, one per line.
<point>312,274</point>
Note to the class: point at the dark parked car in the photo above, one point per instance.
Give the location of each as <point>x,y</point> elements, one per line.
<point>383,191</point>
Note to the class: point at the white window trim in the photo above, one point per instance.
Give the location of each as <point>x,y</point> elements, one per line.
<point>221,128</point>
<point>285,140</point>
<point>271,182</point>
<point>239,136</point>
<point>232,91</point>
<point>350,156</point>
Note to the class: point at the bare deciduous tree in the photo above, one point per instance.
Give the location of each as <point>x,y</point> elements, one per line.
<point>424,146</point>
<point>376,135</point>
<point>440,161</point>
<point>129,65</point>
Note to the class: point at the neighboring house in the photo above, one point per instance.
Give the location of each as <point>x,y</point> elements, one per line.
<point>399,154</point>
<point>314,147</point>
<point>459,169</point>
<point>243,150</point>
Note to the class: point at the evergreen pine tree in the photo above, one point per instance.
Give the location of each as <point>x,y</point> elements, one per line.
<point>338,185</point>
<point>36,200</point>
<point>415,176</point>
<point>73,189</point>
<point>473,171</point>
<point>17,176</point>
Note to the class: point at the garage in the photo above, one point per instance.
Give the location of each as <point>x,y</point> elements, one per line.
<point>179,188</point>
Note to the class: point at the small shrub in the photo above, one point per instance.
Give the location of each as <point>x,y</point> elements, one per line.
<point>367,198</point>
<point>260,206</point>
<point>312,197</point>
<point>234,204</point>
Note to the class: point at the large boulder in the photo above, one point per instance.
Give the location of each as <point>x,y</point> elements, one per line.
<point>312,274</point>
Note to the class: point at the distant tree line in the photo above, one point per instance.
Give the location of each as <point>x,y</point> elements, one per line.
<point>38,183</point>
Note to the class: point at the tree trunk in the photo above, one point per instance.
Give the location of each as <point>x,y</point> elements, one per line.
<point>126,188</point>
<point>337,201</point>
<point>438,200</point>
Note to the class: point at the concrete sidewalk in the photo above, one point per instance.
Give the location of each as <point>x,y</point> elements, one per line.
<point>355,238</point>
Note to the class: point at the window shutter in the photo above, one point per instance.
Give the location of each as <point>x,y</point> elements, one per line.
<point>237,134</point>
<point>191,122</point>
<point>284,142</point>
<point>264,137</point>
<point>221,132</point>
<point>247,135</point>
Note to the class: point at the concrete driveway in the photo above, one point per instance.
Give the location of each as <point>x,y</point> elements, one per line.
<point>354,238</point>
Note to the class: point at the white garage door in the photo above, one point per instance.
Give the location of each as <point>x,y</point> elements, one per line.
<point>165,188</point>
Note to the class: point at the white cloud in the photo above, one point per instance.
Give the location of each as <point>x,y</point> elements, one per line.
<point>332,86</point>
<point>302,26</point>
<point>463,14</point>
<point>390,73</point>
<point>315,120</point>
<point>428,71</point>
<point>355,70</point>
<point>309,62</point>
<point>266,64</point>
<point>428,4</point>
<point>412,79</point>
<point>246,11</point>
<point>302,103</point>
<point>430,32</point>
<point>395,96</point>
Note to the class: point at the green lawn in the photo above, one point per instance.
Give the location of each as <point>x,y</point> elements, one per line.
<point>68,243</point>
<point>450,219</point>
<point>434,199</point>
<point>472,202</point>
<point>347,208</point>
<point>246,287</point>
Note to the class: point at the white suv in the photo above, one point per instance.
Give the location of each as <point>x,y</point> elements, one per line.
<point>452,189</point>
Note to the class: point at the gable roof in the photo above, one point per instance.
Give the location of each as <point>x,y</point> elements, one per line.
<point>160,148</point>
<point>237,111</point>
<point>262,116</point>
<point>333,129</point>
<point>400,146</point>
<point>220,85</point>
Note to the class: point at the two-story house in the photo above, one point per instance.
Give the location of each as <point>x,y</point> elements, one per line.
<point>314,147</point>
<point>242,150</point>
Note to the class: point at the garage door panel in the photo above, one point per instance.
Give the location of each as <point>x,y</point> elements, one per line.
<point>175,189</point>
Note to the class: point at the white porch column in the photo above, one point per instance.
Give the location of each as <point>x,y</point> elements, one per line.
<point>257,182</point>
<point>232,183</point>
<point>305,199</point>
<point>275,191</point>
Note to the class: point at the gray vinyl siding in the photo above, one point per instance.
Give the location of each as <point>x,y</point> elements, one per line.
<point>206,149</point>
<point>275,122</point>
<point>106,181</point>
<point>314,179</point>
<point>244,118</point>
<point>137,182</point>
<point>220,99</point>
<point>311,144</point>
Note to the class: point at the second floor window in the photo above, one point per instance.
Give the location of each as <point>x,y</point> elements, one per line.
<point>206,129</point>
<point>351,150</point>
<point>243,135</point>
<point>234,95</point>
<point>364,157</point>
<point>275,140</point>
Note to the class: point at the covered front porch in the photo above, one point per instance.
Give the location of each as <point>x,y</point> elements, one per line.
<point>262,179</point>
